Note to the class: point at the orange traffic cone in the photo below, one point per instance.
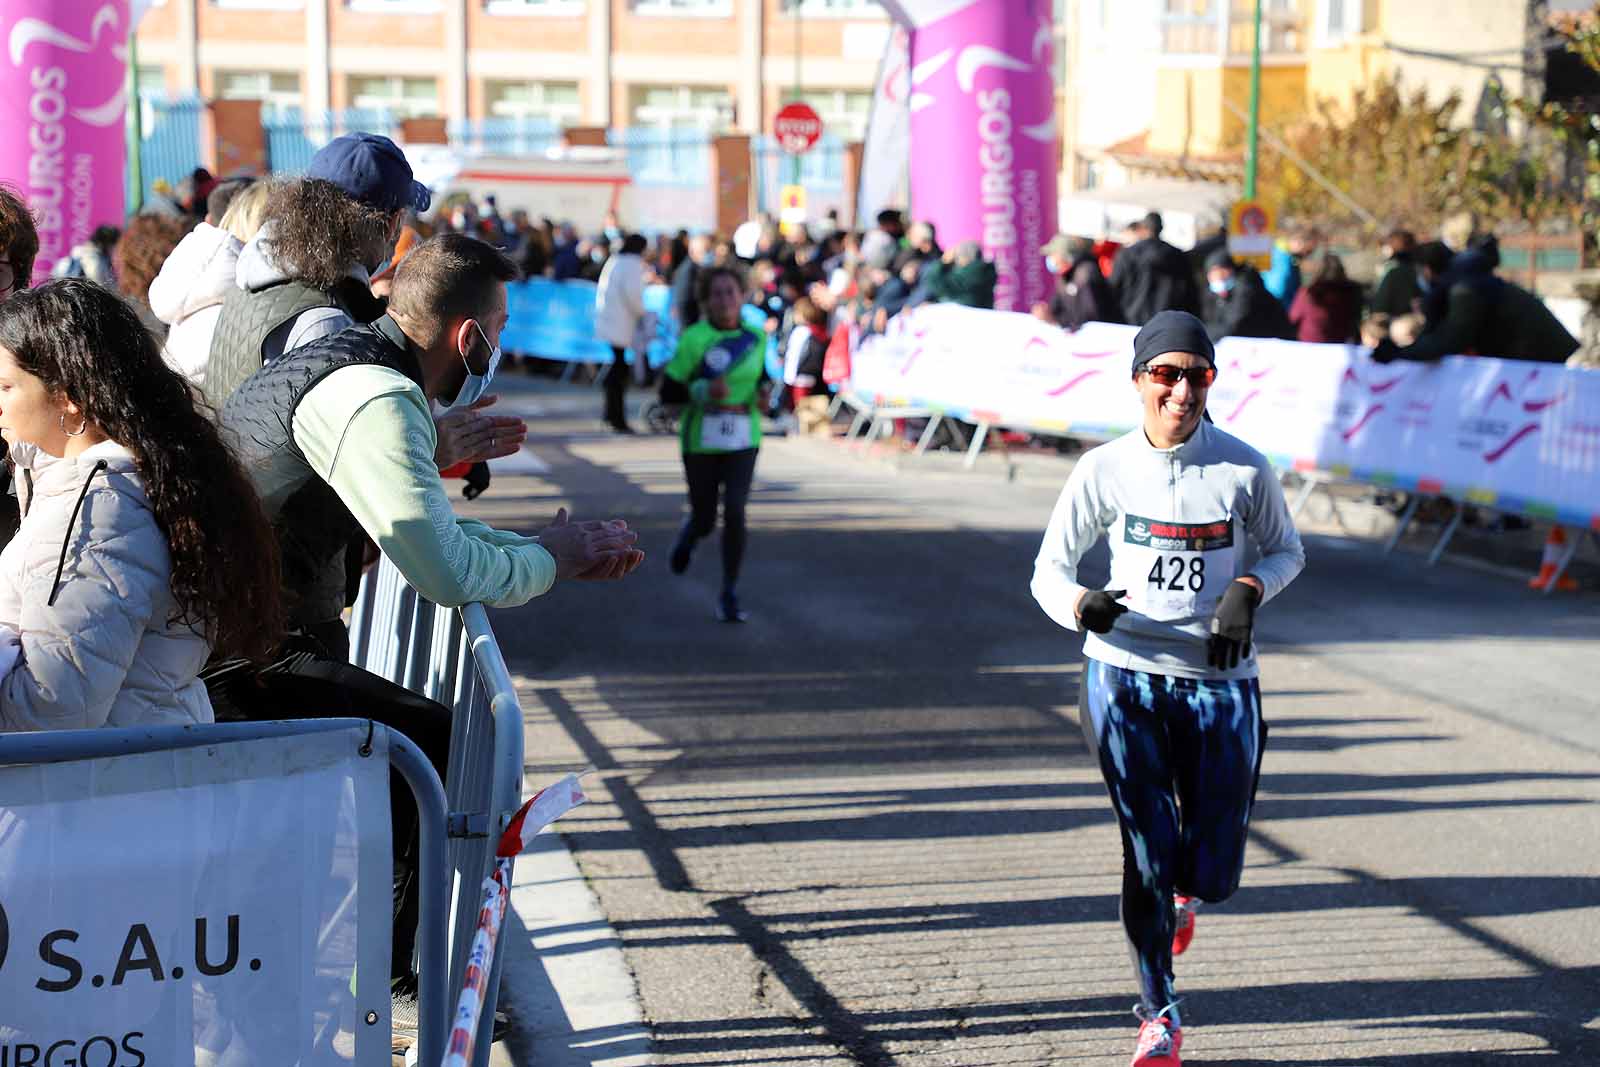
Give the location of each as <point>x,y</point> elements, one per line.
<point>1554,548</point>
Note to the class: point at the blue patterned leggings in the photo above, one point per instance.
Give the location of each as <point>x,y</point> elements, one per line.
<point>1180,757</point>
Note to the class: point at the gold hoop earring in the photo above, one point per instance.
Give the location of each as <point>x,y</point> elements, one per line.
<point>73,433</point>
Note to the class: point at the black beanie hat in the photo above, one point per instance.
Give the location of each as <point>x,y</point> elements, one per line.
<point>1172,331</point>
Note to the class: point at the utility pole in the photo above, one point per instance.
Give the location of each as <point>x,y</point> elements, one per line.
<point>134,125</point>
<point>1253,124</point>
<point>794,173</point>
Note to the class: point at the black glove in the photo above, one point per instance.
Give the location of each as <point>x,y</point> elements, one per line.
<point>1386,351</point>
<point>477,481</point>
<point>1235,618</point>
<point>1098,610</point>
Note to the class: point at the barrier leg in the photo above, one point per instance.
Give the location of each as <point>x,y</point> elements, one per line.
<point>1445,538</point>
<point>1405,521</point>
<point>927,434</point>
<point>433,994</point>
<point>977,445</point>
<point>1308,488</point>
<point>1567,556</point>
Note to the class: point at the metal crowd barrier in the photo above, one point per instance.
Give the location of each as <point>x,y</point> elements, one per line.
<point>450,655</point>
<point>434,995</point>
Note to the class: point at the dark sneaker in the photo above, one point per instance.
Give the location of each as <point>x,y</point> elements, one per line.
<point>728,609</point>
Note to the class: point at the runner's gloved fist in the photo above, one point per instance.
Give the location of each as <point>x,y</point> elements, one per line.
<point>1098,610</point>
<point>1231,626</point>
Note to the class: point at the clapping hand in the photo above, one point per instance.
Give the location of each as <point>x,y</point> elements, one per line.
<point>465,436</point>
<point>591,551</point>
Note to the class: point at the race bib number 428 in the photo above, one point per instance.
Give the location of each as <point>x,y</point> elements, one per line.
<point>1174,570</point>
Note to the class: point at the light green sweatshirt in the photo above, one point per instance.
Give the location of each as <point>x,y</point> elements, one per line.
<point>368,433</point>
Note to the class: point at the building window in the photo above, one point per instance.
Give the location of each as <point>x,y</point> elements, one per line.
<point>278,90</point>
<point>719,8</point>
<point>832,7</point>
<point>554,102</point>
<point>1338,21</point>
<point>533,7</point>
<point>405,97</point>
<point>150,80</point>
<point>679,107</point>
<point>1223,27</point>
<point>267,5</point>
<point>843,111</point>
<point>395,7</point>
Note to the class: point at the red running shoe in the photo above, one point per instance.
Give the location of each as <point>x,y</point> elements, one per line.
<point>1159,1041</point>
<point>1183,932</point>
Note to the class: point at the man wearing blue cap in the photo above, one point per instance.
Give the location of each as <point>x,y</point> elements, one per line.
<point>1169,697</point>
<point>307,274</point>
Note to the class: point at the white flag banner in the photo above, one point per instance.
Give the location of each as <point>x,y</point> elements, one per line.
<point>1520,437</point>
<point>198,906</point>
<point>886,152</point>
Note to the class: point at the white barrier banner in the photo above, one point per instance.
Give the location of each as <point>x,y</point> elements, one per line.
<point>1520,437</point>
<point>198,906</point>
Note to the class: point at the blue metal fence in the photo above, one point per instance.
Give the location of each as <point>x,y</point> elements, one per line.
<point>169,148</point>
<point>505,136</point>
<point>820,170</point>
<point>293,136</point>
<point>665,157</point>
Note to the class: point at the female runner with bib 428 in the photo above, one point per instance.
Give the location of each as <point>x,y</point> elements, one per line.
<point>1170,699</point>
<point>720,373</point>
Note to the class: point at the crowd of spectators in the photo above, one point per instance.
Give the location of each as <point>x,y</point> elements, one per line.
<point>214,425</point>
<point>1429,300</point>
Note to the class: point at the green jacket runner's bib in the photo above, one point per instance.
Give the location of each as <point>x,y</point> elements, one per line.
<point>737,357</point>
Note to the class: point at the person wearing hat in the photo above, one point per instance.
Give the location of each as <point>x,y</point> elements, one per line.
<point>1169,697</point>
<point>1237,303</point>
<point>1082,292</point>
<point>307,274</point>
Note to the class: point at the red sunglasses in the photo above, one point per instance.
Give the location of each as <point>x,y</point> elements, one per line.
<point>1199,377</point>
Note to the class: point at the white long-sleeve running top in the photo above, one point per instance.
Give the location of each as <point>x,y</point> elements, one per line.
<point>1182,523</point>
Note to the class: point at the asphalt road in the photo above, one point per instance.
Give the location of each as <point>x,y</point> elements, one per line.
<point>863,828</point>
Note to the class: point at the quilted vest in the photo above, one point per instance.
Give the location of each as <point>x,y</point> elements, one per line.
<point>315,530</point>
<point>249,317</point>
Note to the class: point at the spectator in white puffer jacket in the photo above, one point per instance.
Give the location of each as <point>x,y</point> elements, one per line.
<point>187,295</point>
<point>143,546</point>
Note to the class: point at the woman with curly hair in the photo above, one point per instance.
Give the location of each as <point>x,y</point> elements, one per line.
<point>138,257</point>
<point>143,547</point>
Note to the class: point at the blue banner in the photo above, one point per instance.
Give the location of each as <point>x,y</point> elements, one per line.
<point>555,320</point>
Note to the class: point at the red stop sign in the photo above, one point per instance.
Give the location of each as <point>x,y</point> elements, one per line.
<point>797,127</point>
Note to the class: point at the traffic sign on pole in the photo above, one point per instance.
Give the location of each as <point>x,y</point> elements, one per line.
<point>797,128</point>
<point>1250,233</point>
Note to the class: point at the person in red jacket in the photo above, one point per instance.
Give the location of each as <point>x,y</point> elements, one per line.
<point>1328,311</point>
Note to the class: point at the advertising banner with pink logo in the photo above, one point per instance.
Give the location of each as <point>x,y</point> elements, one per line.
<point>984,153</point>
<point>1518,437</point>
<point>63,95</point>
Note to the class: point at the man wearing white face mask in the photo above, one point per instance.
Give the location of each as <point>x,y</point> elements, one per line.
<point>338,438</point>
<point>356,453</point>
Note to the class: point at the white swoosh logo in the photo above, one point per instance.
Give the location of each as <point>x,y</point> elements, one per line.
<point>106,114</point>
<point>37,31</point>
<point>1041,42</point>
<point>920,101</point>
<point>1045,131</point>
<point>977,57</point>
<point>929,67</point>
